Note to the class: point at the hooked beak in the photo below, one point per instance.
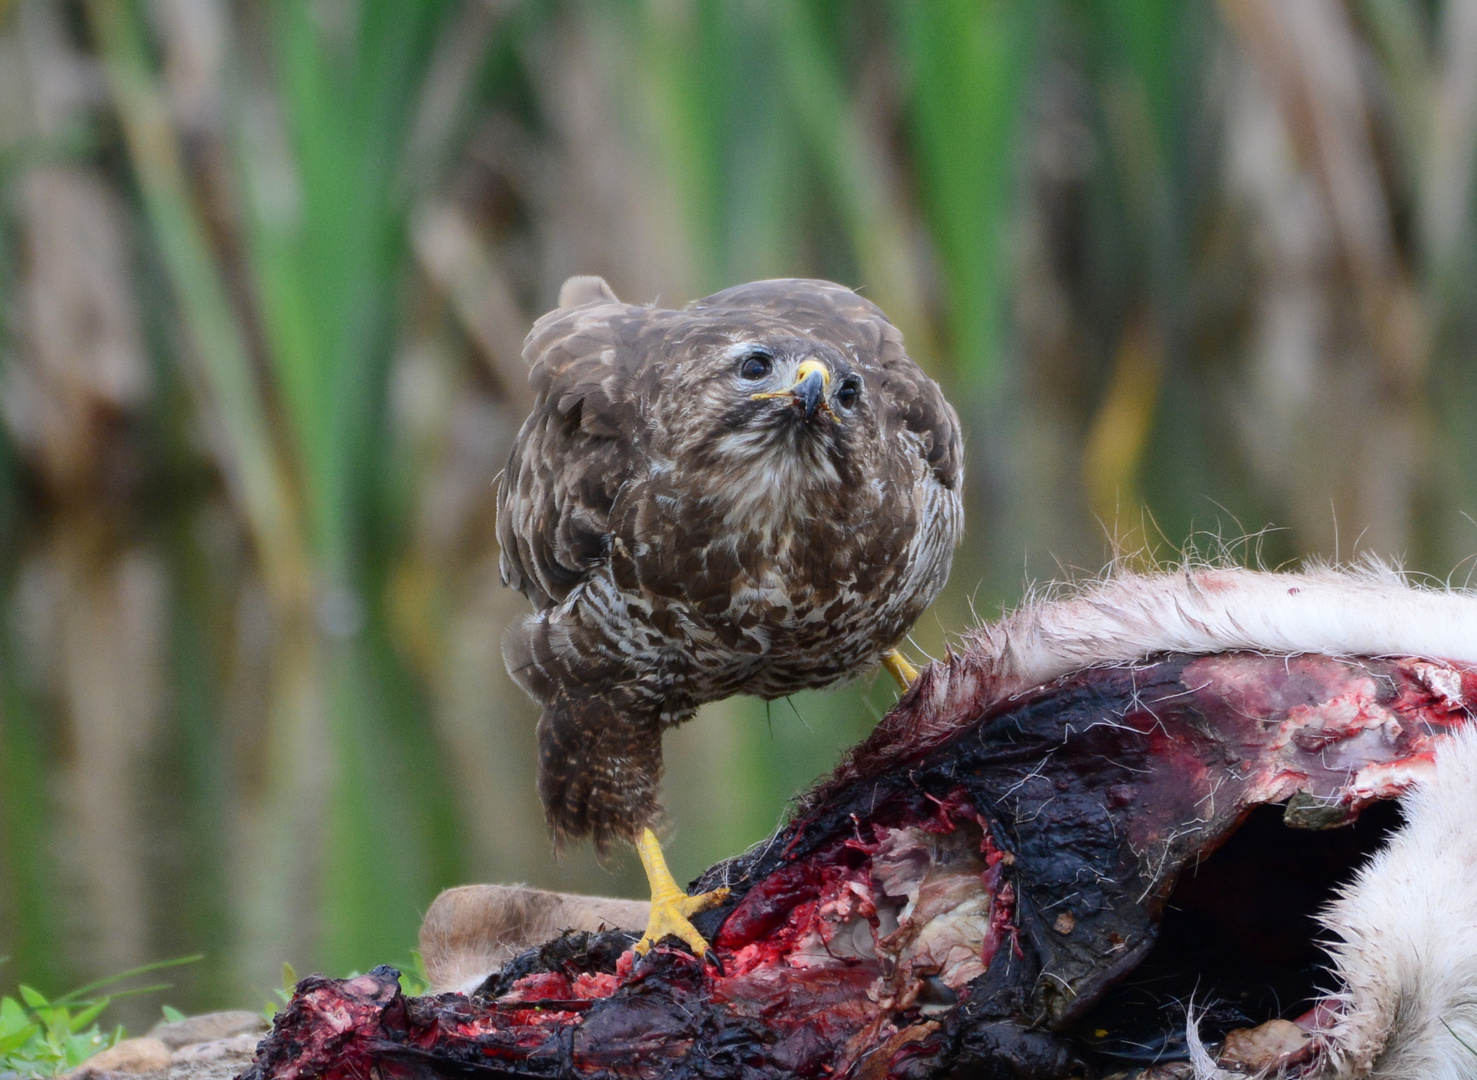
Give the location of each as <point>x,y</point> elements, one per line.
<point>809,391</point>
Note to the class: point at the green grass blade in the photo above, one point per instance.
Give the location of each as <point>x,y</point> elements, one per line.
<point>854,171</point>
<point>32,997</point>
<point>88,1013</point>
<point>968,64</point>
<point>113,980</point>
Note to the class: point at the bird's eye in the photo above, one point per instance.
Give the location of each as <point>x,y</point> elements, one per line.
<point>850,390</point>
<point>755,366</point>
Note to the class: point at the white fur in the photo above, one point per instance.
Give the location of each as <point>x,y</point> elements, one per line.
<point>1202,1065</point>
<point>1370,611</point>
<point>1406,958</point>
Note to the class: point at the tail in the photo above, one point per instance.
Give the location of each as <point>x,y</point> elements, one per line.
<point>599,767</point>
<point>600,735</point>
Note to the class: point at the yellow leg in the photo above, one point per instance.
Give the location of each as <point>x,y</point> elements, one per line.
<point>905,673</point>
<point>670,906</point>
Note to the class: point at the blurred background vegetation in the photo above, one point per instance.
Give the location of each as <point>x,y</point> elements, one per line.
<point>1187,268</point>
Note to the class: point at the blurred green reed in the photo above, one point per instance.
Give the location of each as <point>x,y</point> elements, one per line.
<point>967,66</point>
<point>341,250</point>
<point>303,445</point>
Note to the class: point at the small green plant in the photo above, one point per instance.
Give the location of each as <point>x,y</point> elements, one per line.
<point>42,1036</point>
<point>283,992</point>
<point>414,981</point>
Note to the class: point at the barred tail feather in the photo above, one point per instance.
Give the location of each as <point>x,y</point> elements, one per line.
<point>600,769</point>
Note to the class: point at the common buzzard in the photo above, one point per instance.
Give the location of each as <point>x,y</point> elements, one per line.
<point>756,494</point>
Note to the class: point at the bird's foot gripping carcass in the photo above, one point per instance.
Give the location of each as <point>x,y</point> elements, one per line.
<point>1181,865</point>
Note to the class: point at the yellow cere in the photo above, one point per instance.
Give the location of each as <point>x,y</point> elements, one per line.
<point>807,366</point>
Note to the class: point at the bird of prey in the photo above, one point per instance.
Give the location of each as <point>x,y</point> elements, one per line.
<point>756,494</point>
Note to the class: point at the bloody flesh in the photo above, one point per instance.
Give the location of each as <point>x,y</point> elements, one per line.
<point>951,902</point>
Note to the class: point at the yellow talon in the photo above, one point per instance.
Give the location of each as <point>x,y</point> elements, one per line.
<point>905,673</point>
<point>670,906</point>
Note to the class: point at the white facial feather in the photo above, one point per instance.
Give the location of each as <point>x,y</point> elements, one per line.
<point>762,493</point>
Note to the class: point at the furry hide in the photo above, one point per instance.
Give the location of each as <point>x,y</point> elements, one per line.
<point>1370,610</point>
<point>1406,954</point>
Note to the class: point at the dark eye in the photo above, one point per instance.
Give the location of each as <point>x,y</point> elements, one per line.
<point>851,389</point>
<point>755,366</point>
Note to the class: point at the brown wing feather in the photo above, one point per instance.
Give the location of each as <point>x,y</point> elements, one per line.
<point>575,450</point>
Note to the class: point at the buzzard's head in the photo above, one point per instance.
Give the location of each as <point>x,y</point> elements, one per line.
<point>816,395</point>
<point>787,384</point>
<point>795,383</point>
<point>785,394</point>
<point>779,409</point>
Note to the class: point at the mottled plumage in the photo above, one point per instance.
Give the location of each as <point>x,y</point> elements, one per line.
<point>683,539</point>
